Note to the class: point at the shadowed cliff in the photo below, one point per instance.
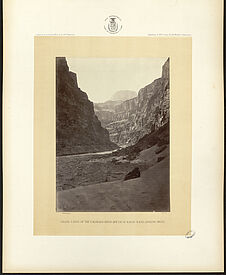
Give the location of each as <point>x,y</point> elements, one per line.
<point>78,129</point>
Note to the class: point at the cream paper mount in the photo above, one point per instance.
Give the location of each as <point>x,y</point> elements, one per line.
<point>47,221</point>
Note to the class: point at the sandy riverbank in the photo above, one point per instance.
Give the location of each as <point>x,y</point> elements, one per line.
<point>95,183</point>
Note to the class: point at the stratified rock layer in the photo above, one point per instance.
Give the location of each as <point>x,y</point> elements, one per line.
<point>78,129</point>
<point>130,120</point>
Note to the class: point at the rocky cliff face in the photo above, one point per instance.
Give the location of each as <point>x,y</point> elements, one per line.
<point>130,120</point>
<point>106,111</point>
<point>78,129</point>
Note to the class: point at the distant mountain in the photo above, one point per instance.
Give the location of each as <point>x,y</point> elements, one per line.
<point>130,120</point>
<point>123,95</point>
<point>78,129</point>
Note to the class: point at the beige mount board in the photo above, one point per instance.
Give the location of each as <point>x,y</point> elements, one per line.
<point>49,222</point>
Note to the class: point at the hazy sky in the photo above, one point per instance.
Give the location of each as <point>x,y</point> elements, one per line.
<point>100,78</point>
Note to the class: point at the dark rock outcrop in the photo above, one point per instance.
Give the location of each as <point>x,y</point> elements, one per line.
<point>130,120</point>
<point>78,129</point>
<point>135,173</point>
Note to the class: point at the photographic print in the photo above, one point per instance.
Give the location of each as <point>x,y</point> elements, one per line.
<point>112,134</point>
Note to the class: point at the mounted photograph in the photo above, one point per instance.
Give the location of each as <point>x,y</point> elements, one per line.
<point>112,134</point>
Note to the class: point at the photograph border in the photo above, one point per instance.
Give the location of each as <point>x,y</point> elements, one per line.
<point>156,87</point>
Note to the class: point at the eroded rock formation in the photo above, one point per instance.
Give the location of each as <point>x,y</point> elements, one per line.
<point>78,129</point>
<point>130,120</point>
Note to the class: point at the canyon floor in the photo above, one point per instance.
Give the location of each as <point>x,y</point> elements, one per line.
<point>95,182</point>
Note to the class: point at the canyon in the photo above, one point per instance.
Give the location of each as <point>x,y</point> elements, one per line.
<point>112,156</point>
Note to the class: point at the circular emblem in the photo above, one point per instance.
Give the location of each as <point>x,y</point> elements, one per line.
<point>113,24</point>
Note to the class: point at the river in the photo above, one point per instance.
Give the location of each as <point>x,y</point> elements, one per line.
<point>90,154</point>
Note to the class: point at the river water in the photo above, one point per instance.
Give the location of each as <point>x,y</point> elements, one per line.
<point>90,154</point>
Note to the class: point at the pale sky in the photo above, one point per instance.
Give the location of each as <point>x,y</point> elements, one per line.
<point>100,78</point>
